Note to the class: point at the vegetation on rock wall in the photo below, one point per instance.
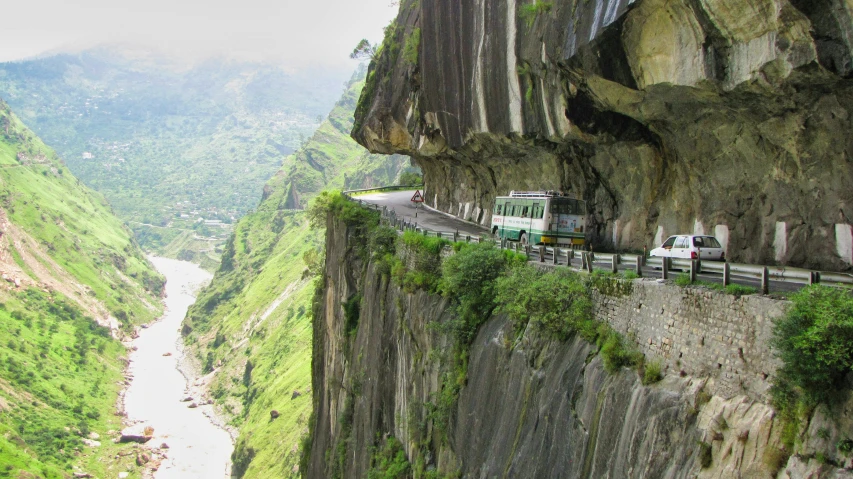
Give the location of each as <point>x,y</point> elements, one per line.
<point>815,343</point>
<point>479,279</point>
<point>68,266</point>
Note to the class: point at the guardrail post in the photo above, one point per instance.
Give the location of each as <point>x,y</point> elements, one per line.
<point>693,271</point>
<point>727,274</point>
<point>467,238</point>
<point>590,260</point>
<point>542,254</point>
<point>614,260</point>
<point>814,277</point>
<point>528,250</point>
<point>664,268</point>
<point>639,266</point>
<point>556,255</point>
<point>765,280</point>
<point>456,236</point>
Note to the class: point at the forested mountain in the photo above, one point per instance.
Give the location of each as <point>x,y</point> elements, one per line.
<point>252,325</point>
<point>73,281</point>
<point>169,144</point>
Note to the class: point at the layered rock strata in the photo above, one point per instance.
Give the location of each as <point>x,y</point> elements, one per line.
<point>726,117</point>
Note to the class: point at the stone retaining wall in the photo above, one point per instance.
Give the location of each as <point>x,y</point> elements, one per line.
<point>698,332</point>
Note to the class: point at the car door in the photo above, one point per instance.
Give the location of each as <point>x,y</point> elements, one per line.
<point>681,248</point>
<point>709,247</point>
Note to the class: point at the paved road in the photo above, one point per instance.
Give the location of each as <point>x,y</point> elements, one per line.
<point>400,203</point>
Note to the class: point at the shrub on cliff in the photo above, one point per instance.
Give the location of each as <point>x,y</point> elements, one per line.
<point>335,203</point>
<point>469,277</point>
<point>556,301</point>
<point>814,340</point>
<point>389,461</point>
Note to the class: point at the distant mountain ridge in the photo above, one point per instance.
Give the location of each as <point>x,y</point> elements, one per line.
<point>159,140</point>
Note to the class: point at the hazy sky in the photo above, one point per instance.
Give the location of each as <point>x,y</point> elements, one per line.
<point>289,31</point>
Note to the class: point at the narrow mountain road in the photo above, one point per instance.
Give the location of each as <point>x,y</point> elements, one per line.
<point>400,202</point>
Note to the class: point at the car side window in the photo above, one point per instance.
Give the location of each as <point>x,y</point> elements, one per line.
<point>681,242</point>
<point>669,242</point>
<point>699,242</point>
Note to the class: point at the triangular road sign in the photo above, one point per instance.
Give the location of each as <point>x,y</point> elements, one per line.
<point>417,197</point>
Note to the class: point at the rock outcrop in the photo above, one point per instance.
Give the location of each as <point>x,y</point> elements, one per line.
<point>531,406</point>
<point>727,117</point>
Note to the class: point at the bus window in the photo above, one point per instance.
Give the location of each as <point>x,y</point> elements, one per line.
<point>524,211</point>
<point>498,210</point>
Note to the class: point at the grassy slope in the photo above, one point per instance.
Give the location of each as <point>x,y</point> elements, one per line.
<point>60,372</point>
<point>262,274</point>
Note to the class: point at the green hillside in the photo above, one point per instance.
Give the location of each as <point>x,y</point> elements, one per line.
<point>253,322</point>
<point>71,270</point>
<point>169,144</point>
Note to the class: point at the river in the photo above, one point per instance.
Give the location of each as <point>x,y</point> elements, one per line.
<point>197,448</point>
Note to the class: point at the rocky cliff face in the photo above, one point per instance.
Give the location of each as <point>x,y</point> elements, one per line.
<point>727,117</point>
<point>530,406</point>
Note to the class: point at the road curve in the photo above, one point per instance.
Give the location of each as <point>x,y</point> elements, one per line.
<point>400,202</point>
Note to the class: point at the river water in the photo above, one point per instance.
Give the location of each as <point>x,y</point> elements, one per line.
<point>198,449</point>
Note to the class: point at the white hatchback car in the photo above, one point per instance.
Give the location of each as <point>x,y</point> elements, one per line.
<point>691,247</point>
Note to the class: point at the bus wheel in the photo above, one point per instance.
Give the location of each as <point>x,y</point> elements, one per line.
<point>523,239</point>
<point>495,230</point>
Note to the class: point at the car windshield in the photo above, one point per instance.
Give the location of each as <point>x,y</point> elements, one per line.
<point>706,242</point>
<point>669,242</point>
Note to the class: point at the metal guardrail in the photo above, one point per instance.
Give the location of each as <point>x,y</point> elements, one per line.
<point>731,273</point>
<point>348,193</point>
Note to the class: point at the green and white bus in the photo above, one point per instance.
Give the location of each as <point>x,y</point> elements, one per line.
<point>540,217</point>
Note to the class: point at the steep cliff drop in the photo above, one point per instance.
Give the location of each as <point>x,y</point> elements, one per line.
<point>667,116</point>
<point>395,395</point>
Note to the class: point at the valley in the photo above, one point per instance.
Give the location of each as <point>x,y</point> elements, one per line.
<point>174,147</point>
<point>211,268</point>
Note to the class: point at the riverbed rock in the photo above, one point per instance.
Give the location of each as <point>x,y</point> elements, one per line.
<point>295,395</point>
<point>138,434</point>
<point>82,475</point>
<point>164,446</point>
<point>142,459</point>
<point>123,475</point>
<point>193,406</point>
<point>94,435</point>
<point>274,414</point>
<point>187,399</point>
<point>167,354</point>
